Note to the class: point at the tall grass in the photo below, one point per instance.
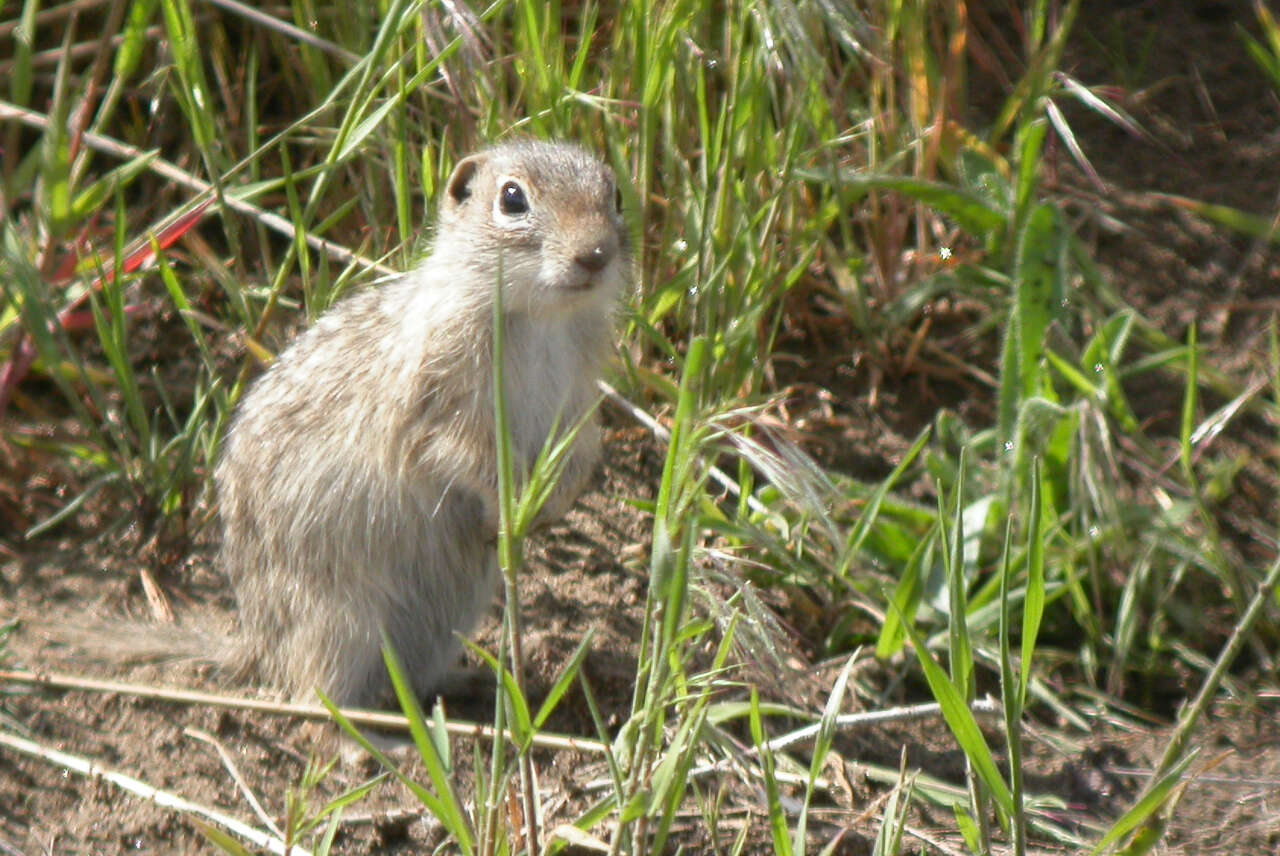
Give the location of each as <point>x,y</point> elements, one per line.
<point>211,178</point>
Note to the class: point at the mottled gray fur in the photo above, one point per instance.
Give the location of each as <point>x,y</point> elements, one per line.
<point>358,484</point>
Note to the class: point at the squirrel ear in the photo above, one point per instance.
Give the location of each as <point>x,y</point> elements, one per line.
<point>459,188</point>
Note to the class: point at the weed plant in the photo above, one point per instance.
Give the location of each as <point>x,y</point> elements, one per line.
<point>184,183</point>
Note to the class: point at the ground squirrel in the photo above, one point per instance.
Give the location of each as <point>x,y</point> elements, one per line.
<point>358,483</point>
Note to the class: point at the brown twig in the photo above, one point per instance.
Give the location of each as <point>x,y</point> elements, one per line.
<point>203,189</point>
<point>370,718</point>
<point>91,769</point>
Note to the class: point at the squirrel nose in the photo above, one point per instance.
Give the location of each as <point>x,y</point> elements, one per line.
<point>595,258</point>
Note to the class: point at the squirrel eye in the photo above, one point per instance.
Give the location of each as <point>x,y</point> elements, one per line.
<point>511,199</point>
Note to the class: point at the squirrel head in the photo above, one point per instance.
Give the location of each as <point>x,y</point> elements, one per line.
<point>546,218</point>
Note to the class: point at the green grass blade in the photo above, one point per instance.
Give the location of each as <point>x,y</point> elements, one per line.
<point>871,511</point>
<point>1190,402</point>
<point>568,674</point>
<point>971,212</point>
<point>442,810</point>
<point>1144,812</point>
<point>959,646</point>
<point>821,747</point>
<point>520,722</point>
<point>906,597</point>
<point>446,806</point>
<point>777,815</point>
<point>1241,222</point>
<point>89,200</point>
<point>1033,605</point>
<point>1012,695</point>
<point>960,720</point>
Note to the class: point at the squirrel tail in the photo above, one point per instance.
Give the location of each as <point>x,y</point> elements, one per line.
<point>130,642</point>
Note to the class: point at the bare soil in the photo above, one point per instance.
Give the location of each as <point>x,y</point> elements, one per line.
<point>1215,136</point>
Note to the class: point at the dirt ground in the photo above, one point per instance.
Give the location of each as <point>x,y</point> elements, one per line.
<point>1215,131</point>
